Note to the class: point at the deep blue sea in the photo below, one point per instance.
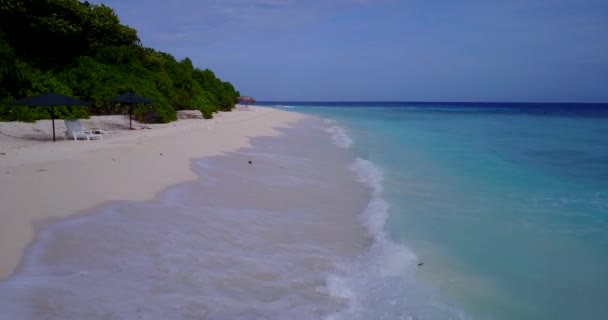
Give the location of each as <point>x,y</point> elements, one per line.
<point>505,205</point>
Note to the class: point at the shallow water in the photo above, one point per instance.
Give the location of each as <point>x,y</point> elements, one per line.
<point>506,205</point>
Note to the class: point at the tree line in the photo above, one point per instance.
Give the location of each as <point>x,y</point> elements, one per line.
<point>82,50</point>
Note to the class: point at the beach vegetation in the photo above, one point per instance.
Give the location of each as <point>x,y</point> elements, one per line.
<point>82,50</point>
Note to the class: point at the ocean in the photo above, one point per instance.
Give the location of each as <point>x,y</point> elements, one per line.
<point>505,205</point>
<point>369,211</point>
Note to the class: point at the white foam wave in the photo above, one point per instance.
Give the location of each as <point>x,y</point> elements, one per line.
<point>376,213</point>
<point>381,283</point>
<point>339,135</point>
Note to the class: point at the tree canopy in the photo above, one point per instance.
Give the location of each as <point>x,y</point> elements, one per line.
<point>82,50</point>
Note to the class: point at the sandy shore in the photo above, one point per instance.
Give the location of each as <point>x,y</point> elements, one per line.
<point>41,180</point>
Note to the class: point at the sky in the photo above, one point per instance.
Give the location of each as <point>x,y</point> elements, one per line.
<point>387,50</point>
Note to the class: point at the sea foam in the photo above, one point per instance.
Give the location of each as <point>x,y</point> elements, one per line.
<point>339,134</point>
<point>381,283</point>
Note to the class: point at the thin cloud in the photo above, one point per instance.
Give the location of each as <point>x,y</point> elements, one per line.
<point>209,20</point>
<point>414,49</point>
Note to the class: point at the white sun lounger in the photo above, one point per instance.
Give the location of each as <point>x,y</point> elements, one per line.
<point>76,130</point>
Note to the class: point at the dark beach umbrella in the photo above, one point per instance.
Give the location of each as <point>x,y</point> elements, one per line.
<point>52,100</point>
<point>245,99</point>
<point>130,99</point>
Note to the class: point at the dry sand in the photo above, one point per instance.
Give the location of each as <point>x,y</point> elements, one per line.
<point>41,180</point>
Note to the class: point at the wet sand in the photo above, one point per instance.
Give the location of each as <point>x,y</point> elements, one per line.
<point>243,241</point>
<point>41,181</point>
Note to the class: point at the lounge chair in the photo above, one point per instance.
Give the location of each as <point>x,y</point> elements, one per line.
<point>76,130</point>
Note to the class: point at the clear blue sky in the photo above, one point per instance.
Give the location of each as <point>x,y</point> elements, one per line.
<point>390,50</point>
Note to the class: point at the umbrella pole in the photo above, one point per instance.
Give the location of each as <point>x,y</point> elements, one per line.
<point>130,114</point>
<point>53,120</point>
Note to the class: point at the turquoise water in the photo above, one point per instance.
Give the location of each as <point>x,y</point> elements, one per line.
<point>505,205</point>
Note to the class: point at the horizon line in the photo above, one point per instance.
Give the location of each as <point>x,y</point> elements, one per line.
<point>389,101</point>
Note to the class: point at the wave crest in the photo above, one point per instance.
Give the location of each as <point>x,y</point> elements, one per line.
<point>339,135</point>
<point>381,283</point>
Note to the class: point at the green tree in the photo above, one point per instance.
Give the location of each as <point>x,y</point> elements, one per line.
<point>82,49</point>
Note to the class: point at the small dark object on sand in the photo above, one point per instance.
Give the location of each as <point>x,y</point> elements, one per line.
<point>250,162</point>
<point>421,263</point>
<point>3,153</point>
<point>41,170</point>
<point>162,154</point>
<point>113,159</point>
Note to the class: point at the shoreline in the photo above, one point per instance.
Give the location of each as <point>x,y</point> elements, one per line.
<point>263,238</point>
<point>131,165</point>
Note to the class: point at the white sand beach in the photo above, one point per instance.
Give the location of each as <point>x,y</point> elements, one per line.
<point>41,180</point>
